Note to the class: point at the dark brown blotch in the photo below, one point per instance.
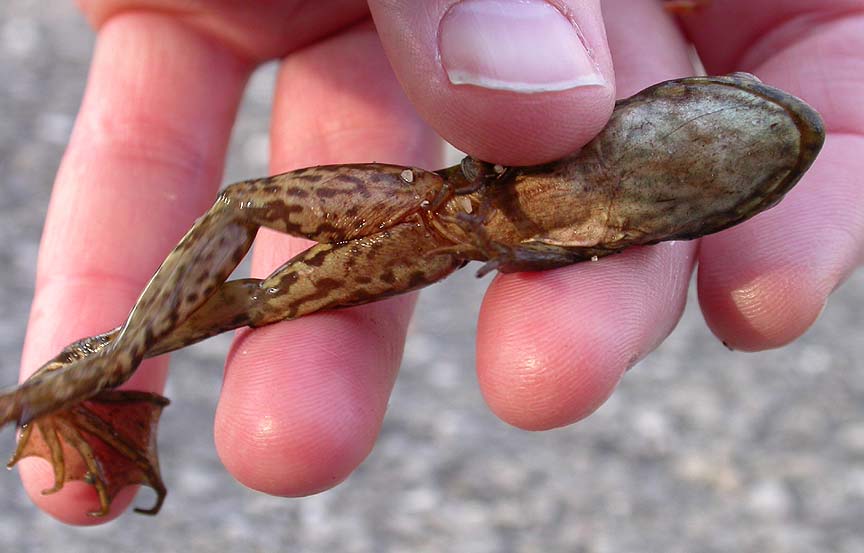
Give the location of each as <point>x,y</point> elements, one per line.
<point>360,293</point>
<point>240,320</point>
<point>137,351</point>
<point>326,285</point>
<point>416,279</point>
<point>323,288</point>
<point>287,279</point>
<point>324,228</point>
<point>318,259</point>
<point>310,177</point>
<point>325,192</point>
<point>148,337</point>
<point>358,184</point>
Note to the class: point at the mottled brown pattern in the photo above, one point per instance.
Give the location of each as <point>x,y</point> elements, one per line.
<point>358,185</point>
<point>416,278</point>
<point>323,290</point>
<point>318,259</point>
<point>677,161</point>
<point>326,193</point>
<point>297,192</point>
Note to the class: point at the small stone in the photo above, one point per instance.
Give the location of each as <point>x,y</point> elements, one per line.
<point>852,437</point>
<point>19,36</point>
<point>653,425</point>
<point>770,498</point>
<point>256,149</point>
<point>814,360</point>
<point>54,127</point>
<point>407,175</point>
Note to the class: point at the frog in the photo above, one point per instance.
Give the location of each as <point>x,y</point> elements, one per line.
<point>679,160</point>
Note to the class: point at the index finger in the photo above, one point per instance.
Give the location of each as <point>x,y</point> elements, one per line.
<point>144,160</point>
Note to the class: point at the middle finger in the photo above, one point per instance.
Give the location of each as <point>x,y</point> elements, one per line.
<point>552,346</point>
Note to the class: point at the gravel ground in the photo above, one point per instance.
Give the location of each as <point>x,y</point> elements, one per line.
<point>700,449</point>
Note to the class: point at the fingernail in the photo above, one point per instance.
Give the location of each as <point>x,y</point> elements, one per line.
<point>517,45</point>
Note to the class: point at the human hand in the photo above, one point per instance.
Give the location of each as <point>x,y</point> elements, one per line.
<point>552,345</point>
<point>164,116</point>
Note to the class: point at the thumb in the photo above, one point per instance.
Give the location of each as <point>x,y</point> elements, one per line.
<point>515,82</point>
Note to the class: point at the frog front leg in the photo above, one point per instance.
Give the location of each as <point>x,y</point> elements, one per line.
<point>534,254</point>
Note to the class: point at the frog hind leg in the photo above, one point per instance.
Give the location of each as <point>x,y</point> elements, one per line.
<point>112,441</point>
<point>336,204</point>
<point>113,432</point>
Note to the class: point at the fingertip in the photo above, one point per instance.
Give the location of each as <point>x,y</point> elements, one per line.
<point>755,312</point>
<point>512,83</point>
<point>298,414</point>
<point>48,334</point>
<point>552,346</point>
<point>290,451</point>
<point>544,385</point>
<point>763,283</point>
<point>538,367</point>
<point>72,503</point>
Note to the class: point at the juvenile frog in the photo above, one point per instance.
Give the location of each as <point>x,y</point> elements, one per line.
<point>677,161</point>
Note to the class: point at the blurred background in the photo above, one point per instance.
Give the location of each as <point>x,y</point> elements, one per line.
<point>700,449</point>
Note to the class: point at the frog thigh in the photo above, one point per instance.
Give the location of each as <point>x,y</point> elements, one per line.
<point>328,276</point>
<point>335,203</point>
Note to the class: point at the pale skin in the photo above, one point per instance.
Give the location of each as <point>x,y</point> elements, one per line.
<point>571,370</point>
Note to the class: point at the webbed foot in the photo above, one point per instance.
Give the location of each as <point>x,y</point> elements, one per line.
<point>114,436</point>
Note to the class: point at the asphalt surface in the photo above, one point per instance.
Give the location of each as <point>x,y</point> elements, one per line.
<point>700,449</point>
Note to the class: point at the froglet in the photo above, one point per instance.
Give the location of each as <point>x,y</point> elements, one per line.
<point>679,160</point>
